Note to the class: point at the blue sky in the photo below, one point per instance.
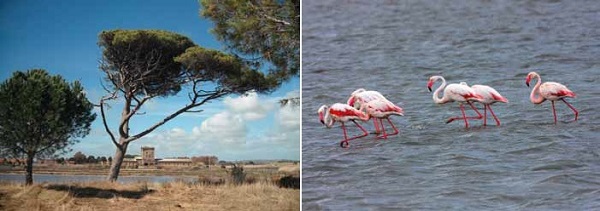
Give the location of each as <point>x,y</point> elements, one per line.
<point>62,36</point>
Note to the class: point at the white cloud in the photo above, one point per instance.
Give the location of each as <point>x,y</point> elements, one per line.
<point>224,127</point>
<point>229,133</point>
<point>289,117</point>
<point>177,133</point>
<point>249,106</point>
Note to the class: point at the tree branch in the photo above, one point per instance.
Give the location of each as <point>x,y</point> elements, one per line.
<point>262,12</point>
<point>136,108</point>
<point>218,94</point>
<point>110,97</point>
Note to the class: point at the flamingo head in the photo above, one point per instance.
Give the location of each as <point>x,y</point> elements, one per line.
<point>351,101</point>
<point>321,112</point>
<point>430,83</point>
<point>528,78</point>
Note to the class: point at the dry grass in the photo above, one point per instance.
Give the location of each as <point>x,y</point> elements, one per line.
<point>147,196</point>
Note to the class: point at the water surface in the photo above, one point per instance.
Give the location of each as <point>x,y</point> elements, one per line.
<point>394,46</point>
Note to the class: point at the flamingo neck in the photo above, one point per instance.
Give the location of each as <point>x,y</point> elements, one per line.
<point>535,96</point>
<point>436,98</point>
<point>366,115</point>
<point>328,120</point>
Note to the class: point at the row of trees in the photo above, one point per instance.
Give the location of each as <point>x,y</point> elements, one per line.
<point>43,115</point>
<point>80,158</point>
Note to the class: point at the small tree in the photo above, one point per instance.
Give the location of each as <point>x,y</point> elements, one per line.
<point>60,160</point>
<point>41,115</point>
<point>143,64</point>
<point>103,160</point>
<point>79,158</point>
<point>91,159</point>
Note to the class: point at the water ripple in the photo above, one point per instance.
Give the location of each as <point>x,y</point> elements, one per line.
<point>527,163</point>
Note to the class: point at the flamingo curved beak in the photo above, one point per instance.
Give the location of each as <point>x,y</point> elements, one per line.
<point>527,80</point>
<point>429,84</point>
<point>321,118</point>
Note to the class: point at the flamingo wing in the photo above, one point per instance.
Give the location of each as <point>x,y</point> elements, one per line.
<point>461,92</point>
<point>553,91</point>
<point>382,108</point>
<point>489,94</point>
<point>345,112</point>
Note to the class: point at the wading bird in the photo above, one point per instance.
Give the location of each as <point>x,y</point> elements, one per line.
<point>380,109</point>
<point>362,96</point>
<point>328,115</point>
<point>490,96</point>
<point>455,92</point>
<point>549,91</point>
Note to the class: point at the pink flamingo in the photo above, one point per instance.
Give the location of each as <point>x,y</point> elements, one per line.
<point>455,92</point>
<point>549,91</point>
<point>490,96</point>
<point>381,109</point>
<point>362,96</point>
<point>342,113</point>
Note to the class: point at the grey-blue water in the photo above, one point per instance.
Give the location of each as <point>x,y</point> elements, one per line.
<point>527,163</point>
<point>50,178</point>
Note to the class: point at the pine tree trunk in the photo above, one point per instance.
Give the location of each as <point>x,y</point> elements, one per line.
<point>115,168</point>
<point>29,173</point>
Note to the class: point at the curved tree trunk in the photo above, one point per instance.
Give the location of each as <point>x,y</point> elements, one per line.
<point>115,168</point>
<point>29,172</point>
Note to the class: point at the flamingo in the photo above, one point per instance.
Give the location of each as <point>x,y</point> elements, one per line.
<point>381,109</point>
<point>455,92</point>
<point>490,96</point>
<point>362,96</point>
<point>549,91</point>
<point>328,115</point>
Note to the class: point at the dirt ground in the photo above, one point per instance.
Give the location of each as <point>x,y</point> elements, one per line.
<point>147,196</point>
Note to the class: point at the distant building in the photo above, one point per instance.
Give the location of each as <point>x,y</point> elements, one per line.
<point>147,160</point>
<point>148,156</point>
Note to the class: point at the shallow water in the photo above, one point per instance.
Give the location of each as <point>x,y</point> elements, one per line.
<point>394,46</point>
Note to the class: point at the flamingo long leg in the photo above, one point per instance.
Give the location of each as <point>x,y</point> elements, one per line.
<point>479,116</point>
<point>345,135</point>
<point>393,126</point>
<point>572,108</point>
<point>494,115</point>
<point>554,112</point>
<point>376,126</point>
<point>384,136</point>
<point>485,114</point>
<point>462,109</point>
<point>344,143</point>
<point>365,133</point>
<point>475,109</point>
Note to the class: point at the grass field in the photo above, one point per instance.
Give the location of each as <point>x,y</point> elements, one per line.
<point>148,196</point>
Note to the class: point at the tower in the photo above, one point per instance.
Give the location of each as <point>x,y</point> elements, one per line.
<point>148,156</point>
